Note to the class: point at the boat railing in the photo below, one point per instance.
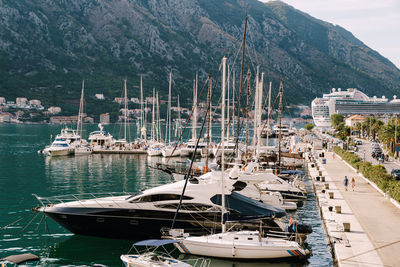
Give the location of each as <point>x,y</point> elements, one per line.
<point>99,198</point>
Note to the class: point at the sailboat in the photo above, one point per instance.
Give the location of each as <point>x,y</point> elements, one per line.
<point>83,147</point>
<point>170,150</point>
<point>236,244</point>
<point>189,147</point>
<point>156,144</point>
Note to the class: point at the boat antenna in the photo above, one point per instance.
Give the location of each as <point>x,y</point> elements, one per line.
<point>240,85</point>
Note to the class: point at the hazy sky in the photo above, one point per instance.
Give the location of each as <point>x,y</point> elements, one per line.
<point>375,22</point>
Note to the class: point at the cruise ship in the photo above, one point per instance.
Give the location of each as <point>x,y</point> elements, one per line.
<point>349,102</point>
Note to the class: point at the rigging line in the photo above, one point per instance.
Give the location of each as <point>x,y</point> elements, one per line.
<point>191,162</point>
<point>40,222</point>
<point>10,224</point>
<point>195,106</point>
<point>268,116</point>
<point>34,217</point>
<point>241,83</point>
<point>188,119</point>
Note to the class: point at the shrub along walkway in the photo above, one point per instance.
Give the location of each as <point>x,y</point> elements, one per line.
<point>377,216</point>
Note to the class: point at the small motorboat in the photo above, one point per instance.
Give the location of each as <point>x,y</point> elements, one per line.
<point>155,254</point>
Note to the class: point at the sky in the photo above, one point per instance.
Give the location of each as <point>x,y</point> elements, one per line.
<point>375,22</point>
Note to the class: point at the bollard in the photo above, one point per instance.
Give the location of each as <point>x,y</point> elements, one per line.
<point>323,191</point>
<point>312,165</point>
<point>322,178</point>
<point>346,227</point>
<point>338,209</point>
<point>316,166</point>
<point>326,186</point>
<point>320,173</point>
<point>331,195</point>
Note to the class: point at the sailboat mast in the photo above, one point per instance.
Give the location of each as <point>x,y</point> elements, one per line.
<point>227,111</point>
<point>255,125</point>
<point>125,108</point>
<point>159,136</point>
<point>194,133</point>
<point>208,117</point>
<point>259,114</point>
<point>280,122</point>
<point>240,85</point>
<point>153,116</point>
<point>223,144</point>
<point>247,111</point>
<point>80,115</point>
<point>141,102</point>
<point>269,111</point>
<point>233,104</point>
<point>169,108</point>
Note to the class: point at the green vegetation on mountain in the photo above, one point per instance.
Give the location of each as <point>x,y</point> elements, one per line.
<point>47,47</point>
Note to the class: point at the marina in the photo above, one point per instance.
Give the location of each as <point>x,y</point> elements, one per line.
<point>50,176</point>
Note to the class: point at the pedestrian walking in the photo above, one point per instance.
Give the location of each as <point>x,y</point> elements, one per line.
<point>353,183</point>
<point>346,182</point>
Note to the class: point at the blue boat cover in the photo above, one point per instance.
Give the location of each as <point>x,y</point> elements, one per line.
<point>292,172</point>
<point>246,208</point>
<point>155,242</point>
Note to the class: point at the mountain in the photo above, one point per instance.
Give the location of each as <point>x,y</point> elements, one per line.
<point>48,46</point>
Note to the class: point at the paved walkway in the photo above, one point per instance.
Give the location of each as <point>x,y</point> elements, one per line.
<point>378,217</point>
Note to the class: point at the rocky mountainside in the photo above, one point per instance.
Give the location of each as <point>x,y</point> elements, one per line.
<point>48,46</point>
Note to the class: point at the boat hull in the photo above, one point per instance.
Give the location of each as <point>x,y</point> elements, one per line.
<point>236,251</point>
<point>60,152</point>
<point>141,226</point>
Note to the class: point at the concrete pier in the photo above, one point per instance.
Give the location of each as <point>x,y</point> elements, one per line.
<point>373,238</point>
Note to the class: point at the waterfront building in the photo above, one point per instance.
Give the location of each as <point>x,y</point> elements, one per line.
<point>351,102</point>
<point>21,101</point>
<point>35,102</point>
<point>119,100</point>
<point>353,120</point>
<point>64,119</point>
<point>54,110</point>
<point>88,120</point>
<point>105,118</point>
<point>99,96</point>
<point>135,100</point>
<point>5,117</point>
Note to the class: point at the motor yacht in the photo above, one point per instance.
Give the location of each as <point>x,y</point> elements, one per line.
<point>59,147</point>
<point>133,216</point>
<point>101,139</point>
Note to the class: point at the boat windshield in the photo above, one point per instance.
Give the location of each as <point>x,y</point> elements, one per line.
<point>60,145</point>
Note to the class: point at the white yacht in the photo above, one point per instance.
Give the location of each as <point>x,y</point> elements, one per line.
<point>167,151</point>
<point>100,139</point>
<point>59,147</point>
<point>154,253</point>
<point>143,215</point>
<point>240,245</point>
<point>155,149</point>
<point>189,147</point>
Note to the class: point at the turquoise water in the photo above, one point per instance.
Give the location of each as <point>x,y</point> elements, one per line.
<point>24,172</point>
